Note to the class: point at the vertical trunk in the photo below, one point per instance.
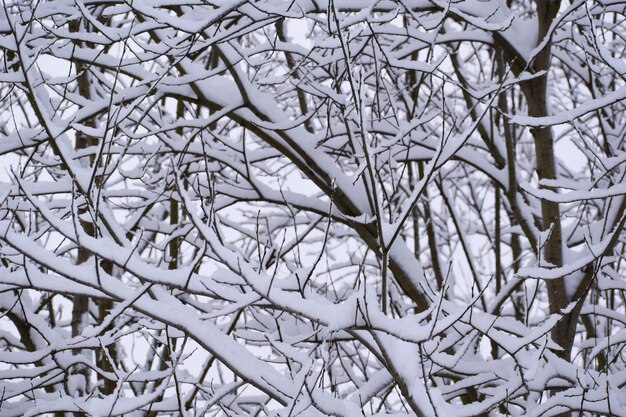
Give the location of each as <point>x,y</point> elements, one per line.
<point>174,252</point>
<point>106,360</point>
<point>535,92</point>
<point>80,308</point>
<point>430,232</point>
<point>511,192</point>
<point>414,214</point>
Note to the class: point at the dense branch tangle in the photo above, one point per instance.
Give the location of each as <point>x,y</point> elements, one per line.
<point>302,208</point>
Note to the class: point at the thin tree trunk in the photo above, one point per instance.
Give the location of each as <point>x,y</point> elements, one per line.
<point>551,254</point>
